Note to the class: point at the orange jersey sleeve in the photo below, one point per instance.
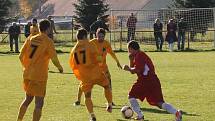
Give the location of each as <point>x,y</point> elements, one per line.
<point>22,55</point>
<point>39,50</point>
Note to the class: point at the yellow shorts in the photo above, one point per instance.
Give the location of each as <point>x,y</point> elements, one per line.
<point>35,88</point>
<point>87,85</point>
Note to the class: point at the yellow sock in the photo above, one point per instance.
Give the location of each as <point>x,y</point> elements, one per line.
<point>89,105</point>
<point>21,113</point>
<point>37,114</point>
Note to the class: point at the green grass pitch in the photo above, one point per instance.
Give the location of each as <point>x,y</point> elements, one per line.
<point>187,79</point>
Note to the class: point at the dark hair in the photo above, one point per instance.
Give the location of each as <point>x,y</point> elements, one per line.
<point>44,25</point>
<point>81,34</point>
<point>100,30</point>
<point>134,45</point>
<point>34,19</point>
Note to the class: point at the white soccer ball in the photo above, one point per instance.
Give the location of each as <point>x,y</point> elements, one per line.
<point>127,112</point>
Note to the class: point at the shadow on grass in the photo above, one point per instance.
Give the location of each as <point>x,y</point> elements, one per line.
<point>153,110</point>
<point>121,120</point>
<point>61,52</point>
<point>61,73</point>
<point>8,53</point>
<point>150,110</point>
<point>128,119</point>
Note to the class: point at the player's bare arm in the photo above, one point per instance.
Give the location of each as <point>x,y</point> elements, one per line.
<point>132,70</point>
<point>56,62</point>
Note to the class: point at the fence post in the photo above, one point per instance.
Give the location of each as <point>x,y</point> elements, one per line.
<point>188,42</point>
<point>120,34</point>
<point>214,24</point>
<point>72,28</point>
<point>110,25</point>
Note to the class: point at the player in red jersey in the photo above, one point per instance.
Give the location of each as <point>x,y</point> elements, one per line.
<point>147,85</point>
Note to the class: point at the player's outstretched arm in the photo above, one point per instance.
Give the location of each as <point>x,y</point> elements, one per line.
<point>119,65</point>
<point>115,58</point>
<point>113,55</point>
<point>132,70</point>
<point>56,62</point>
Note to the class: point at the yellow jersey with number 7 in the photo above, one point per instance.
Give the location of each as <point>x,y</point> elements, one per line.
<point>35,55</point>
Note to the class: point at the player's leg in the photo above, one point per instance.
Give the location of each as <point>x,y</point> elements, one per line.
<point>136,107</point>
<point>39,101</point>
<point>170,109</point>
<point>108,76</point>
<point>86,87</point>
<point>89,105</point>
<point>108,96</point>
<point>155,97</point>
<point>105,83</point>
<point>78,96</point>
<point>23,107</point>
<point>113,104</point>
<point>136,92</point>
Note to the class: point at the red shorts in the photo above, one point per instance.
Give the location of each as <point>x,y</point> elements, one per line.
<point>149,88</point>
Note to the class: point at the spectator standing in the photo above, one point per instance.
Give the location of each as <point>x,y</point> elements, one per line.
<point>27,29</point>
<point>14,32</point>
<point>34,29</point>
<point>171,34</point>
<point>158,27</point>
<point>181,34</point>
<point>99,23</point>
<point>52,28</point>
<point>131,24</point>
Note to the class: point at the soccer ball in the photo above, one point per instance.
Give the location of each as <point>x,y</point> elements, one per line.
<point>127,112</point>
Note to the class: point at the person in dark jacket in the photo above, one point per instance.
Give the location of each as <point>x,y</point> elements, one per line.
<point>182,25</point>
<point>52,29</point>
<point>14,32</point>
<point>99,23</point>
<point>27,29</point>
<point>171,34</point>
<point>158,27</point>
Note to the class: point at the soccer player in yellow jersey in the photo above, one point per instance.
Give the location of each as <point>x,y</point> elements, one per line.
<point>35,56</point>
<point>84,61</point>
<point>34,29</point>
<point>103,47</point>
